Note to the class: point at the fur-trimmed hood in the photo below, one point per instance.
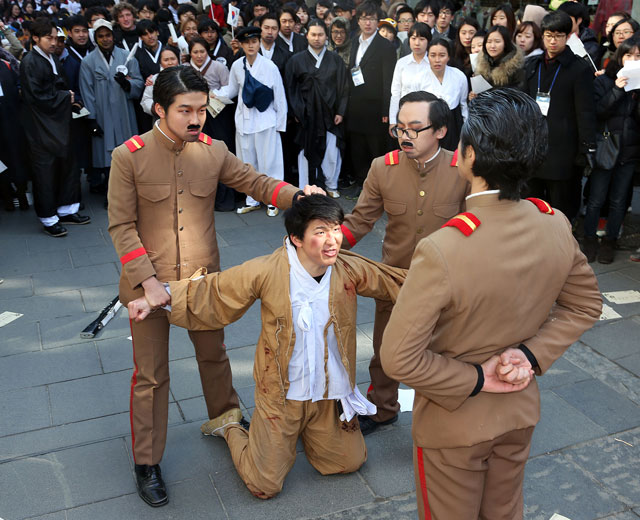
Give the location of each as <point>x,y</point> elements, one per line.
<point>508,72</point>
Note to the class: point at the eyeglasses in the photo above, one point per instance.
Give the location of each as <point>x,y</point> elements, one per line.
<point>371,19</point>
<point>405,20</point>
<point>339,33</point>
<point>627,32</point>
<point>554,37</point>
<point>445,12</point>
<point>409,132</point>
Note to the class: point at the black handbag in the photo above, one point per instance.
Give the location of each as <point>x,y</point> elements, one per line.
<point>607,149</point>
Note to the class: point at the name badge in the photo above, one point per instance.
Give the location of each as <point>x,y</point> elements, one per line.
<point>357,77</point>
<point>544,100</point>
<point>1,91</point>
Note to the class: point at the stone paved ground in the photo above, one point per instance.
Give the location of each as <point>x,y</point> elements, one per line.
<point>64,427</point>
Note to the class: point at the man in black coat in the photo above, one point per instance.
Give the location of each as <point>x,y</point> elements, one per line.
<point>289,39</point>
<point>562,84</point>
<point>371,65</point>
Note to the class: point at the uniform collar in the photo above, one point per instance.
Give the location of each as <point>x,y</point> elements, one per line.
<point>428,165</point>
<point>487,198</point>
<point>165,140</point>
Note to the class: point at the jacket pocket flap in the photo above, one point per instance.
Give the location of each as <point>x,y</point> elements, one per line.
<point>446,210</point>
<point>395,208</point>
<point>154,192</point>
<point>202,188</point>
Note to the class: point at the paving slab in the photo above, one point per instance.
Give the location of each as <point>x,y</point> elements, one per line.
<point>65,479</point>
<point>242,365</point>
<point>616,339</point>
<point>561,425</point>
<point>194,409</point>
<point>389,467</point>
<point>65,279</point>
<point>193,499</point>
<point>16,287</point>
<point>561,373</point>
<point>615,462</point>
<point>555,485</point>
<point>78,238</point>
<point>61,515</point>
<point>306,493</point>
<point>66,330</point>
<point>232,255</point>
<point>25,409</point>
<point>631,363</point>
<point>97,298</point>
<point>13,249</point>
<point>252,234</point>
<point>43,307</point>
<point>246,330</point>
<point>36,262</point>
<point>615,281</point>
<point>93,255</point>
<point>401,507</point>
<point>602,405</point>
<point>49,366</point>
<point>19,336</point>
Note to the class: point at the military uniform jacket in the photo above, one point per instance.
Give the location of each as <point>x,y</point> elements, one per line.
<point>417,199</point>
<point>221,298</point>
<point>519,277</point>
<point>161,205</point>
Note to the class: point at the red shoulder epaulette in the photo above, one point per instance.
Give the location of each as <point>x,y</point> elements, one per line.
<point>392,158</point>
<point>454,161</point>
<point>465,222</point>
<point>543,206</point>
<point>204,138</point>
<point>134,144</point>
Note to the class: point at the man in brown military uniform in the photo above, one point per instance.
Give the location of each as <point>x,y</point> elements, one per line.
<point>495,296</point>
<point>419,189</point>
<point>161,218</point>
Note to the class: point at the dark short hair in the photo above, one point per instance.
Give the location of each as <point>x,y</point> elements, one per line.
<point>198,40</point>
<point>368,8</point>
<point>177,80</point>
<point>615,63</point>
<point>537,34</point>
<point>146,26</point>
<point>558,21</point>
<point>422,5</point>
<point>508,134</point>
<point>269,16</point>
<point>186,8</point>
<point>152,5</point>
<point>42,26</point>
<point>208,23</point>
<point>439,111</point>
<point>443,4</point>
<point>420,29</point>
<point>506,36</point>
<point>290,11</point>
<point>405,9</point>
<point>76,21</point>
<point>634,25</point>
<point>90,12</point>
<point>317,23</point>
<point>577,10</point>
<point>311,207</point>
<point>443,42</point>
<point>171,49</point>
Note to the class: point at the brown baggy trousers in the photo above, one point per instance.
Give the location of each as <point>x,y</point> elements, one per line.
<point>383,391</point>
<point>483,481</point>
<point>266,453</point>
<point>149,401</point>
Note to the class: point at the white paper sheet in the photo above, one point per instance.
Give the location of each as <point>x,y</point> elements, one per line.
<point>576,45</point>
<point>405,398</point>
<point>479,84</point>
<point>3,167</point>
<point>473,59</point>
<point>7,317</point>
<point>608,313</point>
<point>632,71</point>
<point>556,516</point>
<point>83,113</point>
<point>622,297</point>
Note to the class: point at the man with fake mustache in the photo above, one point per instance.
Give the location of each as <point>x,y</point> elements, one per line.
<point>419,189</point>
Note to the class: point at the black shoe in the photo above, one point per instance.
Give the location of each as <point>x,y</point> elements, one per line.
<point>343,184</point>
<point>75,219</point>
<point>23,202</point>
<point>98,189</point>
<point>57,230</point>
<point>368,425</point>
<point>590,248</point>
<point>244,423</point>
<point>606,253</point>
<point>150,485</point>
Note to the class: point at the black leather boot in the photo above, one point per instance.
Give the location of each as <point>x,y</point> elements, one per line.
<point>150,485</point>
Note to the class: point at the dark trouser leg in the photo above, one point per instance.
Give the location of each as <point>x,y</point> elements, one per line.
<point>215,371</point>
<point>599,186</point>
<point>44,183</point>
<point>618,192</point>
<point>149,401</point>
<point>384,390</point>
<point>364,148</point>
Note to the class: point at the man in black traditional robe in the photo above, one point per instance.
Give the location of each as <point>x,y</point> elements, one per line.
<point>318,90</point>
<point>47,109</point>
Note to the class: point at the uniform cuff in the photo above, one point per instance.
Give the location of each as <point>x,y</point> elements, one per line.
<point>532,359</point>
<point>480,382</point>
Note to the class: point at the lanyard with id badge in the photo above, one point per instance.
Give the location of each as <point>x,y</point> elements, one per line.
<point>357,77</point>
<point>543,99</point>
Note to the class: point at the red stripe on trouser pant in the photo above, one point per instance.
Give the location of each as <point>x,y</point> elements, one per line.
<point>423,485</point>
<point>134,380</point>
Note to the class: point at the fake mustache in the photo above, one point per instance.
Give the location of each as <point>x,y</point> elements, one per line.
<point>408,144</point>
<point>193,127</point>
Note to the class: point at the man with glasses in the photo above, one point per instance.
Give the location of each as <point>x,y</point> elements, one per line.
<point>444,16</point>
<point>419,189</point>
<point>562,85</point>
<point>371,66</point>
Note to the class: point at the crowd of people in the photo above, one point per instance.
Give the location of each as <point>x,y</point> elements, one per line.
<point>79,80</point>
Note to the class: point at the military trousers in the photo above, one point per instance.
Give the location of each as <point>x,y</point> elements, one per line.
<point>266,453</point>
<point>482,481</point>
<point>149,398</point>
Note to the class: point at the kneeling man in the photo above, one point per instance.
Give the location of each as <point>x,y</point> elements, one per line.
<point>305,362</point>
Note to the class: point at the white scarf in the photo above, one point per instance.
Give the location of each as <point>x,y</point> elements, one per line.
<point>204,65</point>
<point>317,57</point>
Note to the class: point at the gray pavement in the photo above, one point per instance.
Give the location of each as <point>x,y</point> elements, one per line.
<point>64,425</point>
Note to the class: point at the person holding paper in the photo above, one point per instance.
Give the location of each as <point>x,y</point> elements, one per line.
<point>305,362</point>
<point>618,114</point>
<point>501,62</point>
<point>261,113</point>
